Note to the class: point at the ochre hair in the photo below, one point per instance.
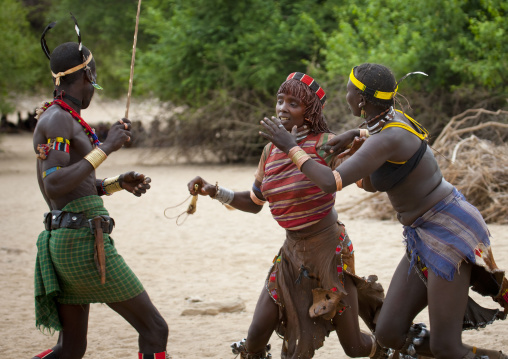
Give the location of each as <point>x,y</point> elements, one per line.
<point>313,106</point>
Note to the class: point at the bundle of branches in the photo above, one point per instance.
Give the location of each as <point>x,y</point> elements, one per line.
<point>473,156</point>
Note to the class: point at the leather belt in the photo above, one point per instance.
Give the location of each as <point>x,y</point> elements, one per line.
<point>98,225</point>
<point>61,219</point>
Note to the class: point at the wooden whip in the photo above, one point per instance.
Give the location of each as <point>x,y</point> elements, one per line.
<point>132,62</point>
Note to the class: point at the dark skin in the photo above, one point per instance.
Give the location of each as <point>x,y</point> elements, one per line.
<point>290,115</point>
<point>423,188</point>
<point>77,179</point>
<point>420,191</point>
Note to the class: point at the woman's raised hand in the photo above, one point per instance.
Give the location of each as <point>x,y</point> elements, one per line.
<point>341,143</point>
<point>278,135</point>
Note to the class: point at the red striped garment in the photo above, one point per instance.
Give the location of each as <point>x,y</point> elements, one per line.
<point>295,202</point>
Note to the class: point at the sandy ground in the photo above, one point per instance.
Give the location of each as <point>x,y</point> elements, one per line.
<point>217,256</point>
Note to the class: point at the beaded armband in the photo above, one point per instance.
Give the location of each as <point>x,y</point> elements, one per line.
<point>111,185</point>
<point>58,143</point>
<point>96,157</point>
<point>50,171</point>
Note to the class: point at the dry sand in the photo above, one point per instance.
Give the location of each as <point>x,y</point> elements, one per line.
<point>217,256</point>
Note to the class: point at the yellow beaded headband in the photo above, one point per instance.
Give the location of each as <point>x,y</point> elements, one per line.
<point>377,94</point>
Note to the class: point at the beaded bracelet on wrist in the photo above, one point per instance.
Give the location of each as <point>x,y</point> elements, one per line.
<point>111,185</point>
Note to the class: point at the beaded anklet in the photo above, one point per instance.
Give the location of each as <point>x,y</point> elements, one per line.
<point>45,354</point>
<point>240,348</point>
<point>161,355</point>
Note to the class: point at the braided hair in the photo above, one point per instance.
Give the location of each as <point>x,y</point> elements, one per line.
<point>377,77</point>
<point>312,103</point>
<point>66,56</point>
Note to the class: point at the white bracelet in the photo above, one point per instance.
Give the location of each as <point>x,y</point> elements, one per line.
<point>224,195</point>
<point>364,133</point>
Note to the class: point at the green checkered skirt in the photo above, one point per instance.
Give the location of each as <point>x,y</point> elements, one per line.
<point>65,269</point>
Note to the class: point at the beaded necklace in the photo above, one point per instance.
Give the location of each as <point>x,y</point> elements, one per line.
<point>302,132</point>
<point>374,125</point>
<point>86,127</point>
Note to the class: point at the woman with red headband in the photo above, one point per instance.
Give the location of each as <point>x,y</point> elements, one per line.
<point>442,230</point>
<point>311,288</point>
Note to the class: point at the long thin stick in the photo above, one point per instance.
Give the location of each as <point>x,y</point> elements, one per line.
<point>132,62</point>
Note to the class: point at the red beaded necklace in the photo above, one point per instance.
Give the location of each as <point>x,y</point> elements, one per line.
<point>88,130</point>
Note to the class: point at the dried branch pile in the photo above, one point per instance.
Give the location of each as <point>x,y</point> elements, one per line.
<point>473,155</point>
<point>222,131</point>
<point>476,160</point>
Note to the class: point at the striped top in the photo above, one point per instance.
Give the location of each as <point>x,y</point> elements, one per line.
<point>295,202</point>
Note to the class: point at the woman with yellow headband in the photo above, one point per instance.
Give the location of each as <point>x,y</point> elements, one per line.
<point>442,230</point>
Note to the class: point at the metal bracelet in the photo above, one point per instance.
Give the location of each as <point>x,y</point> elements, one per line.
<point>224,195</point>
<point>96,157</point>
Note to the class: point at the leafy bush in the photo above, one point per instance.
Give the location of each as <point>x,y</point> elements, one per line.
<point>20,67</point>
<point>205,54</point>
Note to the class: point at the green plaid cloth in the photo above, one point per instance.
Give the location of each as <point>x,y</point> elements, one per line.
<point>65,269</point>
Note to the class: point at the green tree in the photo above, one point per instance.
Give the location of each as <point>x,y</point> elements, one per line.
<point>458,43</point>
<point>483,58</point>
<point>107,29</point>
<point>20,63</point>
<point>203,46</point>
